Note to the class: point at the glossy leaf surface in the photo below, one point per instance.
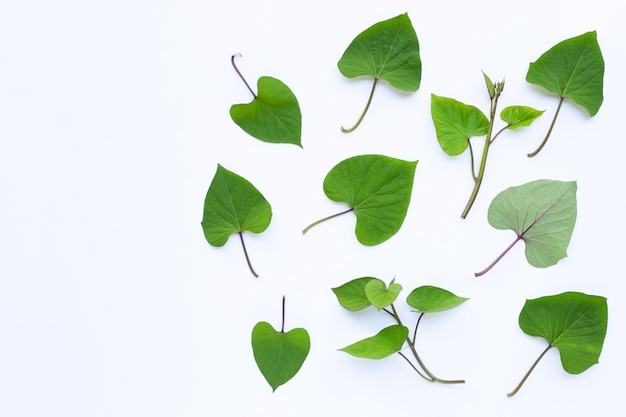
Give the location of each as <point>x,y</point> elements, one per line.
<point>573,322</point>
<point>386,342</point>
<point>380,295</point>
<point>388,50</point>
<point>430,299</point>
<point>455,123</point>
<point>378,188</point>
<point>518,116</point>
<point>573,68</point>
<point>279,355</point>
<point>351,295</point>
<point>273,115</point>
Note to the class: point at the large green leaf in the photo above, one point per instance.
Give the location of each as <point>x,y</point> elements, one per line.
<point>573,68</point>
<point>573,322</point>
<point>351,295</point>
<point>455,123</point>
<point>233,205</point>
<point>542,213</point>
<point>380,295</point>
<point>377,188</point>
<point>430,299</point>
<point>386,342</point>
<point>279,354</point>
<point>273,115</point>
<point>388,50</point>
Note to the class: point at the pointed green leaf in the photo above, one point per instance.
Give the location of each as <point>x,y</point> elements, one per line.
<point>274,114</point>
<point>573,68</point>
<point>455,123</point>
<point>542,213</point>
<point>518,116</point>
<point>491,88</point>
<point>351,295</point>
<point>389,51</point>
<point>379,295</point>
<point>573,322</point>
<point>233,205</point>
<point>279,355</point>
<point>387,342</point>
<point>429,299</point>
<point>378,188</point>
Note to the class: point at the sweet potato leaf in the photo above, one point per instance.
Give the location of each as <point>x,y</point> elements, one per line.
<point>388,50</point>
<point>573,322</point>
<point>377,188</point>
<point>351,295</point>
<point>455,123</point>
<point>542,213</point>
<point>518,116</point>
<point>233,205</point>
<point>386,342</point>
<point>430,299</point>
<point>380,295</point>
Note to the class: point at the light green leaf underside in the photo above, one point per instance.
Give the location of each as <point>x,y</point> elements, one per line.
<point>273,116</point>
<point>573,68</point>
<point>378,188</point>
<point>542,213</point>
<point>574,323</point>
<point>351,295</point>
<point>388,50</point>
<point>279,355</point>
<point>430,299</point>
<point>455,123</point>
<point>385,343</point>
<point>518,116</point>
<point>233,205</point>
<point>380,295</point>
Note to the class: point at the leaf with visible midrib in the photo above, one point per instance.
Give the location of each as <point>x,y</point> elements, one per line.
<point>573,322</point>
<point>542,213</point>
<point>430,299</point>
<point>455,123</point>
<point>386,342</point>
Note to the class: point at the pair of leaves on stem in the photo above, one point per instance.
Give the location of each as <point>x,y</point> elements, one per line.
<point>360,293</point>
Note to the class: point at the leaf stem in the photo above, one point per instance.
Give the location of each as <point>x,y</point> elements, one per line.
<point>536,151</point>
<point>517,388</point>
<point>232,60</point>
<point>484,271</point>
<point>282,327</point>
<point>306,229</point>
<point>469,144</point>
<point>245,251</point>
<point>367,106</point>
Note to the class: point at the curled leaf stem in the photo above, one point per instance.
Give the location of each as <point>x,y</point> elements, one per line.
<point>245,251</point>
<point>232,61</point>
<point>517,388</point>
<point>367,106</point>
<point>536,151</point>
<point>306,229</point>
<point>491,265</point>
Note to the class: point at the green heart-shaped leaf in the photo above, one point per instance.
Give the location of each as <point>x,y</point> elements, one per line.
<point>518,116</point>
<point>455,123</point>
<point>279,355</point>
<point>380,295</point>
<point>351,295</point>
<point>386,342</point>
<point>274,114</point>
<point>429,299</point>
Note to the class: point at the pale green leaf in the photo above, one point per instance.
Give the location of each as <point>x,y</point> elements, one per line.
<point>430,299</point>
<point>455,123</point>
<point>386,342</point>
<point>518,116</point>
<point>380,295</point>
<point>351,295</point>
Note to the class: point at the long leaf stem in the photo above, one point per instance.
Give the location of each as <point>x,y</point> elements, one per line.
<point>536,151</point>
<point>306,229</point>
<point>367,106</point>
<point>232,61</point>
<point>245,251</point>
<point>491,265</point>
<point>282,327</point>
<point>517,388</point>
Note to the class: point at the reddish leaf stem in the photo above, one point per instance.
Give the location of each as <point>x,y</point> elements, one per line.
<point>245,251</point>
<point>232,60</point>
<point>484,271</point>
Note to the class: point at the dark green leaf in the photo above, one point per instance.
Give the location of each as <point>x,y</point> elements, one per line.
<point>379,295</point>
<point>429,299</point>
<point>351,295</point>
<point>455,123</point>
<point>518,116</point>
<point>387,342</point>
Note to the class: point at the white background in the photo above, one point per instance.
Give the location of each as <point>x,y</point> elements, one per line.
<point>113,118</point>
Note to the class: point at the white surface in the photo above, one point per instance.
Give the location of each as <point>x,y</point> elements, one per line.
<point>113,117</point>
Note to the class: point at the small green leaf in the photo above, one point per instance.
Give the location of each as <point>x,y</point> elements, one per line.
<point>429,299</point>
<point>233,205</point>
<point>387,342</point>
<point>518,116</point>
<point>455,123</point>
<point>379,295</point>
<point>542,213</point>
<point>351,295</point>
<point>491,88</point>
<point>573,322</point>
<point>279,355</point>
<point>377,188</point>
<point>573,68</point>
